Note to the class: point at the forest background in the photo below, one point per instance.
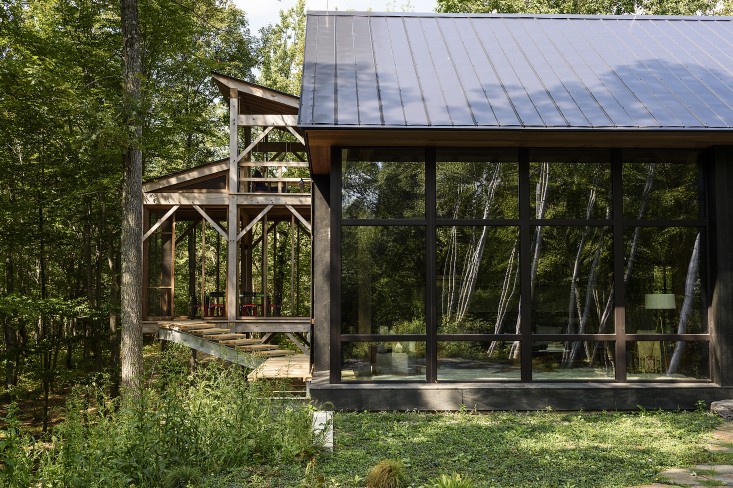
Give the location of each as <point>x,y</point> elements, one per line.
<point>62,140</point>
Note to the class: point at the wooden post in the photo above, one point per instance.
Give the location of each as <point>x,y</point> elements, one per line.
<point>232,299</point>
<point>293,312</point>
<point>191,270</point>
<point>203,267</point>
<point>265,258</point>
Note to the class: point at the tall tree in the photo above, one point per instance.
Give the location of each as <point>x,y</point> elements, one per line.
<point>132,225</point>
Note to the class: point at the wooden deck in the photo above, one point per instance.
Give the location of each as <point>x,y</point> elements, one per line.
<point>290,367</point>
<point>267,361</point>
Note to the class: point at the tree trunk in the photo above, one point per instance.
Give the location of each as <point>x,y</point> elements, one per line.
<point>131,250</point>
<point>674,363</point>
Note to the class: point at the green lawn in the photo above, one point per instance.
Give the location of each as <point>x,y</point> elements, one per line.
<point>548,449</point>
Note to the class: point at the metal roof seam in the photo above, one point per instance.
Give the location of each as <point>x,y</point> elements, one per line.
<point>463,89</point>
<point>466,52</point>
<point>508,71</point>
<point>656,95</point>
<point>539,78</point>
<point>686,88</point>
<point>552,47</point>
<point>417,78</point>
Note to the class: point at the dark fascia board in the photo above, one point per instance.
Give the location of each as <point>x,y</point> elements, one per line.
<point>225,82</point>
<point>632,17</point>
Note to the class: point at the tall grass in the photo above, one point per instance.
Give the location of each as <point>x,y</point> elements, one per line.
<point>178,431</point>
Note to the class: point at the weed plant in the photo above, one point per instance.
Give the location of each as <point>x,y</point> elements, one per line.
<point>182,429</point>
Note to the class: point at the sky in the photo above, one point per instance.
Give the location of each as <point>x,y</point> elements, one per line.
<point>263,12</point>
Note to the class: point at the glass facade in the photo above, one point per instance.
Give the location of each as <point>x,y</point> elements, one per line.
<point>521,265</point>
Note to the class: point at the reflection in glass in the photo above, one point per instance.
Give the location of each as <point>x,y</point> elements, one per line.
<point>666,261</point>
<point>566,190</point>
<point>383,280</point>
<point>382,185</point>
<point>661,190</point>
<point>383,361</point>
<point>554,360</point>
<point>477,189</point>
<point>573,280</point>
<point>477,361</point>
<point>477,279</point>
<point>658,360</point>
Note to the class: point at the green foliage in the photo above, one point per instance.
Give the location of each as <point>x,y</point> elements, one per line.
<point>536,449</point>
<point>209,422</point>
<point>454,480</point>
<point>17,452</point>
<point>281,51</point>
<point>388,473</point>
<point>592,7</point>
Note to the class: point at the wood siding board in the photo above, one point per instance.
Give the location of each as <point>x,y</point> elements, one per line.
<point>366,77</point>
<point>347,100</point>
<point>386,74</point>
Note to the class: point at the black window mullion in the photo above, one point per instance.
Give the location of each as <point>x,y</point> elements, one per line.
<point>525,264</point>
<point>431,292</point>
<point>619,285</point>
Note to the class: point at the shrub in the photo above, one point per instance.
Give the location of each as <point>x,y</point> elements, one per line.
<point>209,422</point>
<point>17,452</point>
<point>454,480</point>
<point>388,473</point>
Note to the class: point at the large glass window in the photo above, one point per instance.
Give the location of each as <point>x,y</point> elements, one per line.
<point>484,265</point>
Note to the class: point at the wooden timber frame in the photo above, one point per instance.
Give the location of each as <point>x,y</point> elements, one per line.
<point>232,196</point>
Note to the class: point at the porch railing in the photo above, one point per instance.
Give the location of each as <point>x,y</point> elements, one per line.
<point>270,177</point>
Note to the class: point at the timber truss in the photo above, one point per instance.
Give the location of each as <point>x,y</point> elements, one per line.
<point>229,241</point>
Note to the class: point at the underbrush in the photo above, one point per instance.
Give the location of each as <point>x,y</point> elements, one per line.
<point>183,429</point>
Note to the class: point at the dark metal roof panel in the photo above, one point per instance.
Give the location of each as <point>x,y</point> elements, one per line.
<point>364,69</point>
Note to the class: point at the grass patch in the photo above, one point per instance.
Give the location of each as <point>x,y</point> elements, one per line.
<point>520,449</point>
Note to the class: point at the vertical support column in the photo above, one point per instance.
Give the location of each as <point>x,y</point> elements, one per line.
<point>619,285</point>
<point>232,215</point>
<point>721,237</point>
<point>525,268</point>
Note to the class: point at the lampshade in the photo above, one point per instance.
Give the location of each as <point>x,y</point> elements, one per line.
<point>659,301</point>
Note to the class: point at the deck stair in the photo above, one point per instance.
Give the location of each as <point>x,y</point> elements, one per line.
<point>238,348</point>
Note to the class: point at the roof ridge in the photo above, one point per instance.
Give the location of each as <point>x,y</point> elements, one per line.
<point>356,13</point>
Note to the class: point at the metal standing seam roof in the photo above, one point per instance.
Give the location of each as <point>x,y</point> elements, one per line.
<point>365,69</point>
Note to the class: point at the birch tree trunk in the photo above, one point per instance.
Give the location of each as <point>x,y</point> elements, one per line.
<point>674,363</point>
<point>541,192</point>
<point>632,254</point>
<point>131,249</point>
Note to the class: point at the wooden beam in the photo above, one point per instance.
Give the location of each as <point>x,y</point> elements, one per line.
<point>305,223</point>
<point>221,199</point>
<point>254,143</point>
<point>253,222</point>
<point>267,120</point>
<point>185,176</point>
<point>160,222</point>
<point>279,146</point>
<point>294,164</point>
<point>211,221</point>
<point>295,133</point>
<point>259,91</point>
